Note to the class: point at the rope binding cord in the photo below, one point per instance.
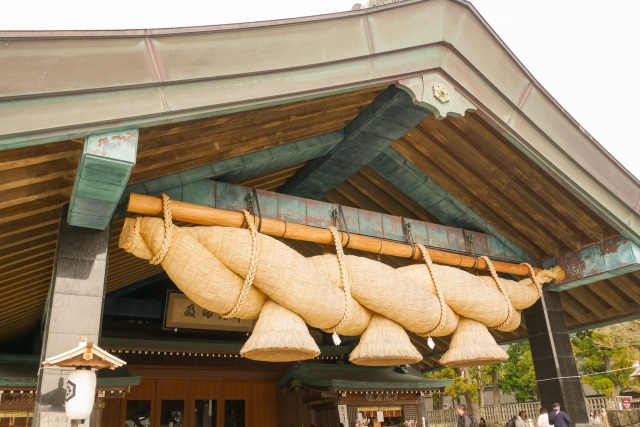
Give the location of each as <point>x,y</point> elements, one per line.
<point>256,244</point>
<point>441,302</point>
<point>502,291</point>
<point>346,285</point>
<point>168,231</point>
<point>534,279</point>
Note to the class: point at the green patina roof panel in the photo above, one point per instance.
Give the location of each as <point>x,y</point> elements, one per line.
<point>352,376</point>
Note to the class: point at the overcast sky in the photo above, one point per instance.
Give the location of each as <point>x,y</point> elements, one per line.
<point>585,53</point>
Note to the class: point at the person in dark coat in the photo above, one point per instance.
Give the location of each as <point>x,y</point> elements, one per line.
<point>559,418</point>
<point>464,419</point>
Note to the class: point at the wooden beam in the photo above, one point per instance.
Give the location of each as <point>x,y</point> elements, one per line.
<point>196,214</point>
<point>445,198</point>
<point>377,126</point>
<point>513,162</point>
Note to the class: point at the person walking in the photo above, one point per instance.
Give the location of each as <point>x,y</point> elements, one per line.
<point>521,420</point>
<point>543,418</point>
<point>559,418</point>
<point>464,419</point>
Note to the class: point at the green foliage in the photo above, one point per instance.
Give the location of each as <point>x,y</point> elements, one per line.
<point>442,374</point>
<point>461,386</point>
<point>517,373</point>
<point>597,351</point>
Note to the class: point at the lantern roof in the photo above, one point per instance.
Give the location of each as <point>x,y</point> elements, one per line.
<point>85,354</point>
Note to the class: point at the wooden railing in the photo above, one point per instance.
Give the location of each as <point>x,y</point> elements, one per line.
<point>504,412</point>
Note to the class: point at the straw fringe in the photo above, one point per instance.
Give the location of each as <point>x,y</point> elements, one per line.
<point>472,345</point>
<point>279,335</point>
<point>384,343</point>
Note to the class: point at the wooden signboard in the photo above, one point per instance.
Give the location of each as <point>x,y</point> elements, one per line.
<point>182,313</point>
<point>17,401</point>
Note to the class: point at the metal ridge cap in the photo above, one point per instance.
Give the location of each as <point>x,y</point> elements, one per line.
<point>173,31</point>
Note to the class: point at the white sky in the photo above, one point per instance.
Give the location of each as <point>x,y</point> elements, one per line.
<point>586,53</point>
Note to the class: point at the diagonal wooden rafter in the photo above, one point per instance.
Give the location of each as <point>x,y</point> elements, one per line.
<point>377,126</point>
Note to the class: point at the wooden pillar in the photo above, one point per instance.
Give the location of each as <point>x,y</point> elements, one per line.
<point>553,358</point>
<point>98,409</point>
<point>73,310</point>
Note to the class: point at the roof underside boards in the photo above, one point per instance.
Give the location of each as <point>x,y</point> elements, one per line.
<point>519,168</point>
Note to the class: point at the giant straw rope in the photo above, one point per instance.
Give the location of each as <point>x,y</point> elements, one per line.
<point>234,271</point>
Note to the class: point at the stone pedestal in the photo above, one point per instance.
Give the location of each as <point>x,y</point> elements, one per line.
<point>553,358</point>
<point>73,310</point>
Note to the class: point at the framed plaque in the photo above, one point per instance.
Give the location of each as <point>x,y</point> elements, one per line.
<point>182,313</point>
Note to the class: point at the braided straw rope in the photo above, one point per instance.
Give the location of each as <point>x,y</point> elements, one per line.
<point>534,278</point>
<point>168,231</point>
<point>344,276</point>
<point>256,244</point>
<point>439,294</point>
<point>502,291</point>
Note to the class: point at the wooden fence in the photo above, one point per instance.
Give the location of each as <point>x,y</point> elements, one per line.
<point>503,413</point>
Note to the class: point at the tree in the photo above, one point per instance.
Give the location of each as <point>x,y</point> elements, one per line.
<point>442,374</point>
<point>518,376</point>
<point>606,352</point>
<point>619,335</point>
<point>493,372</point>
<point>463,386</point>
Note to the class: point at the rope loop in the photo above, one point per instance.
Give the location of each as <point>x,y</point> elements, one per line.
<point>256,244</point>
<point>534,279</point>
<point>502,291</point>
<point>168,231</point>
<point>346,282</point>
<point>439,294</point>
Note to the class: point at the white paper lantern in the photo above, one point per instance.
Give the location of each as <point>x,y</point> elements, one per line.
<point>81,390</point>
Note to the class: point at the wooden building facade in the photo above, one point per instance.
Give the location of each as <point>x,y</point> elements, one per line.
<point>424,116</point>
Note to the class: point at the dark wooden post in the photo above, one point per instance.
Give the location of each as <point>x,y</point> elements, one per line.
<point>553,358</point>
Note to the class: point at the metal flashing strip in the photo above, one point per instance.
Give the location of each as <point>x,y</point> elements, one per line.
<point>105,167</point>
<point>612,257</point>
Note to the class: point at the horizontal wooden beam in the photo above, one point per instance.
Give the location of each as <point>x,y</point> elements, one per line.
<point>358,221</point>
<point>203,215</point>
<point>612,257</point>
